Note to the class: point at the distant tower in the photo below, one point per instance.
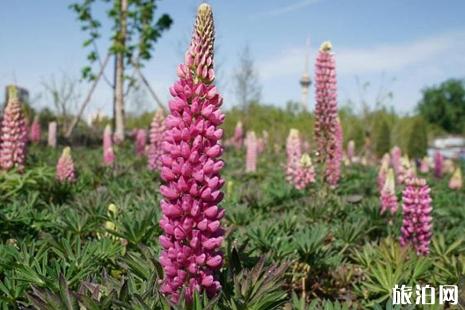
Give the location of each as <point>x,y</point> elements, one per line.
<point>305,81</point>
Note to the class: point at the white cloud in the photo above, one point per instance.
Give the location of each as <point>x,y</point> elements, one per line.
<point>374,59</point>
<point>286,9</point>
<point>398,56</point>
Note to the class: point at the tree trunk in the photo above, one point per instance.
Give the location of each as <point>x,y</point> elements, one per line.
<point>119,73</point>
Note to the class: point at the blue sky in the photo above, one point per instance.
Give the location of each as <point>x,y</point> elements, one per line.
<point>400,45</point>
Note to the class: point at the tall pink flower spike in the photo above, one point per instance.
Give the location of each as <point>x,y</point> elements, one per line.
<point>154,152</point>
<point>251,145</point>
<point>65,167</point>
<point>406,170</point>
<point>326,100</point>
<point>438,164</point>
<point>417,220</point>
<point>108,153</point>
<point>456,181</point>
<point>326,124</point>
<point>141,141</point>
<point>52,134</point>
<point>35,132</point>
<point>388,196</point>
<point>238,138</point>
<point>305,173</point>
<point>191,168</point>
<point>294,154</point>
<point>13,134</point>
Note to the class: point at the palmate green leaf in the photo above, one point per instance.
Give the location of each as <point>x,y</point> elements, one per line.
<point>137,228</point>
<point>136,264</point>
<point>68,301</point>
<point>440,248</point>
<point>258,288</point>
<point>393,265</point>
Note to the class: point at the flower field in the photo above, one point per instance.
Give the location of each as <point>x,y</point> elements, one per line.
<point>279,240</point>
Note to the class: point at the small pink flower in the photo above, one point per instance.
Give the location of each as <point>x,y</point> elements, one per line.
<point>13,134</point>
<point>109,157</point>
<point>305,173</point>
<point>107,145</point>
<point>52,134</point>
<point>251,145</point>
<point>238,138</point>
<point>154,152</point>
<point>438,164</point>
<point>35,132</point>
<point>294,154</point>
<point>405,170</point>
<point>65,167</point>
<point>424,165</point>
<point>417,220</point>
<point>141,140</point>
<point>388,198</point>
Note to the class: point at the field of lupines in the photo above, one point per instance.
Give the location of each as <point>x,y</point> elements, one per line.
<point>183,217</point>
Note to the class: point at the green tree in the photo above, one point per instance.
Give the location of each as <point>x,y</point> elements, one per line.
<point>134,32</point>
<point>382,138</point>
<point>418,138</point>
<point>444,105</point>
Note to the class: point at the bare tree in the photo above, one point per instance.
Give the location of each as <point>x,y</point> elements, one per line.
<point>246,82</point>
<point>64,94</point>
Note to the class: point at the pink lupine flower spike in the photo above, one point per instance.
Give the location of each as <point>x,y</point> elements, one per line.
<point>192,233</point>
<point>13,134</point>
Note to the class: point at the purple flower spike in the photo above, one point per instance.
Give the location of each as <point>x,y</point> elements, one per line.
<point>438,164</point>
<point>417,223</point>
